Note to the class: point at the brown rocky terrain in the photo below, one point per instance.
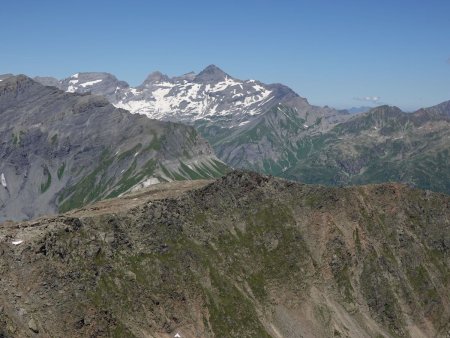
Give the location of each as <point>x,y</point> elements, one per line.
<point>243,256</point>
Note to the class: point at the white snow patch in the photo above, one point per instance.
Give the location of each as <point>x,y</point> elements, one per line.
<point>259,88</point>
<point>137,107</point>
<point>193,91</point>
<point>72,82</point>
<point>3,180</point>
<point>134,91</point>
<point>306,126</point>
<point>17,242</point>
<point>75,76</point>
<point>160,102</point>
<point>220,86</point>
<point>71,89</point>
<point>90,83</point>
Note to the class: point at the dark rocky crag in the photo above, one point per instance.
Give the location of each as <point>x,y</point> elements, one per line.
<point>244,256</point>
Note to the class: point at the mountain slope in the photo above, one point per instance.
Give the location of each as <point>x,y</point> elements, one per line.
<point>245,256</point>
<point>62,150</point>
<point>382,145</point>
<point>268,144</point>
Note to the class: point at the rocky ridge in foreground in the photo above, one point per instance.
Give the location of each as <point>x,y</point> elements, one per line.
<point>243,256</point>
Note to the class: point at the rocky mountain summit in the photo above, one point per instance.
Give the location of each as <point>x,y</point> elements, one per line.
<point>243,256</point>
<point>62,150</point>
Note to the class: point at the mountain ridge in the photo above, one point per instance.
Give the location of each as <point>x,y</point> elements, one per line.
<point>62,150</point>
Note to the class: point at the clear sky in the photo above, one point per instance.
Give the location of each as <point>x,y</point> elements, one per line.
<point>340,53</point>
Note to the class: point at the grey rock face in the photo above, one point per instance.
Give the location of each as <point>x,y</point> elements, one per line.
<point>438,111</point>
<point>155,77</point>
<point>48,81</point>
<point>211,74</point>
<point>62,150</point>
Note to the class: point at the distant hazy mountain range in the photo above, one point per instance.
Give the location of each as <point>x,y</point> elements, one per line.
<point>271,129</point>
<point>63,150</point>
<point>357,110</point>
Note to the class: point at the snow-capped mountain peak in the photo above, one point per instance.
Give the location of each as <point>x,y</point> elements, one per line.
<point>209,96</point>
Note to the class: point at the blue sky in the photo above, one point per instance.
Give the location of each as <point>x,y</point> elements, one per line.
<point>335,53</point>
